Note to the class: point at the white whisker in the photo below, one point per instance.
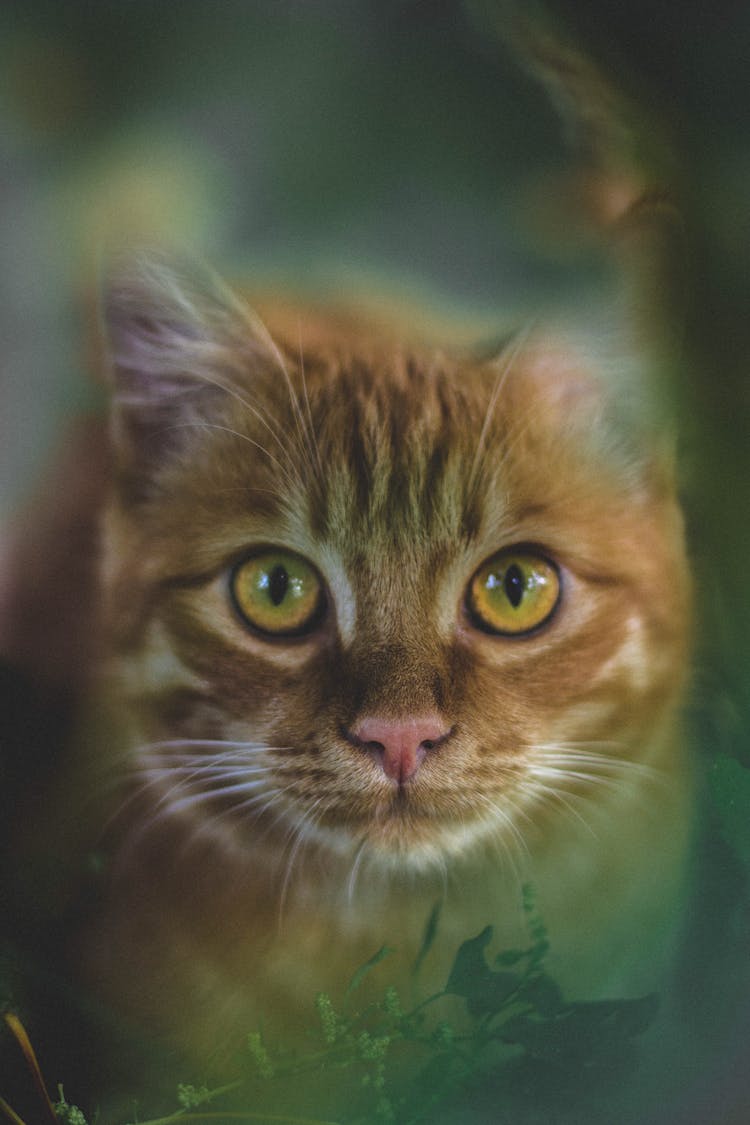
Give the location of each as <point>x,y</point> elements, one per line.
<point>205,795</point>
<point>292,478</point>
<point>504,370</point>
<point>561,773</point>
<point>547,794</point>
<point>356,864</point>
<point>308,412</point>
<point>601,762</point>
<point>512,846</point>
<point>246,404</point>
<point>299,836</point>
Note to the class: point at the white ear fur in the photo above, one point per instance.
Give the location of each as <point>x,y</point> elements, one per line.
<point>169,327</point>
<point>607,390</point>
<point>178,343</point>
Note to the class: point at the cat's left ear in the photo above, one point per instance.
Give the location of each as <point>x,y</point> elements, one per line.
<point>178,344</point>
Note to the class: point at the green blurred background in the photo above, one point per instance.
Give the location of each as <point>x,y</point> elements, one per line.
<point>323,140</point>
<point>344,144</point>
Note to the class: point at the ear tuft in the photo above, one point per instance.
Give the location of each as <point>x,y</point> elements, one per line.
<point>178,342</point>
<point>168,325</point>
<point>602,394</point>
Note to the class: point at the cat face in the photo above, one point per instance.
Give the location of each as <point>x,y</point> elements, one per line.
<point>374,598</point>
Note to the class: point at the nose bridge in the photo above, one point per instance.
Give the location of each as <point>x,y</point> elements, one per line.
<point>396,588</point>
<point>396,679</point>
<point>396,662</point>
<point>394,595</point>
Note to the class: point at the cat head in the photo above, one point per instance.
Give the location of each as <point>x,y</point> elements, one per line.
<point>371,596</point>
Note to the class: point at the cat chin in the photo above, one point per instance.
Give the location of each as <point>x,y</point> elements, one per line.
<point>397,848</point>
<point>391,848</point>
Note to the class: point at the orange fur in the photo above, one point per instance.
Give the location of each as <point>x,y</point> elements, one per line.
<point>397,471</point>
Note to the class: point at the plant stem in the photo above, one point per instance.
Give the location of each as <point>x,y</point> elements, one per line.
<point>11,1113</point>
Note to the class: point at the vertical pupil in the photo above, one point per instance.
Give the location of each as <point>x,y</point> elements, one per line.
<point>514,585</point>
<point>278,583</point>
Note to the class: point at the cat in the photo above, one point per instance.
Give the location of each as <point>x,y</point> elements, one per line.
<point>380,625</point>
<point>385,627</point>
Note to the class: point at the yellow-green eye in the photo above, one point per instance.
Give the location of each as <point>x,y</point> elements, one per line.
<point>514,592</point>
<point>278,593</point>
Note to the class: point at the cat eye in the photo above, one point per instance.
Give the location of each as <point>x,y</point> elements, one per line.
<point>278,593</point>
<point>514,593</point>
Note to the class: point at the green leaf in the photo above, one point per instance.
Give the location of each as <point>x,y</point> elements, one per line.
<point>430,932</point>
<point>730,787</point>
<point>528,898</point>
<point>591,1032</point>
<point>470,964</point>
<point>632,1017</point>
<point>471,977</point>
<point>544,994</point>
<point>363,970</point>
<point>511,956</point>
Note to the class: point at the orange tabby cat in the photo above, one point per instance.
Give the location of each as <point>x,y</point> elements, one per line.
<point>381,625</point>
<point>385,627</point>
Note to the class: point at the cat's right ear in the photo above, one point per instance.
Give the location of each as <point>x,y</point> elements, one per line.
<point>177,344</point>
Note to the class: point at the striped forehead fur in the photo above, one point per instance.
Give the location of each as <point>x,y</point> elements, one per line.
<point>397,439</point>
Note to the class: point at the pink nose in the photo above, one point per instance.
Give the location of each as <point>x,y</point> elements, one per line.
<point>401,743</point>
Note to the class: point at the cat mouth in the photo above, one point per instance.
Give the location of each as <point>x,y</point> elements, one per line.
<point>404,819</point>
<point>398,813</point>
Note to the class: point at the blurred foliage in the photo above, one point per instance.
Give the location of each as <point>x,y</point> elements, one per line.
<point>730,785</point>
<point>520,1034</point>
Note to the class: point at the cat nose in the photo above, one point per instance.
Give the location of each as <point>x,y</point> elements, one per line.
<point>400,743</point>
